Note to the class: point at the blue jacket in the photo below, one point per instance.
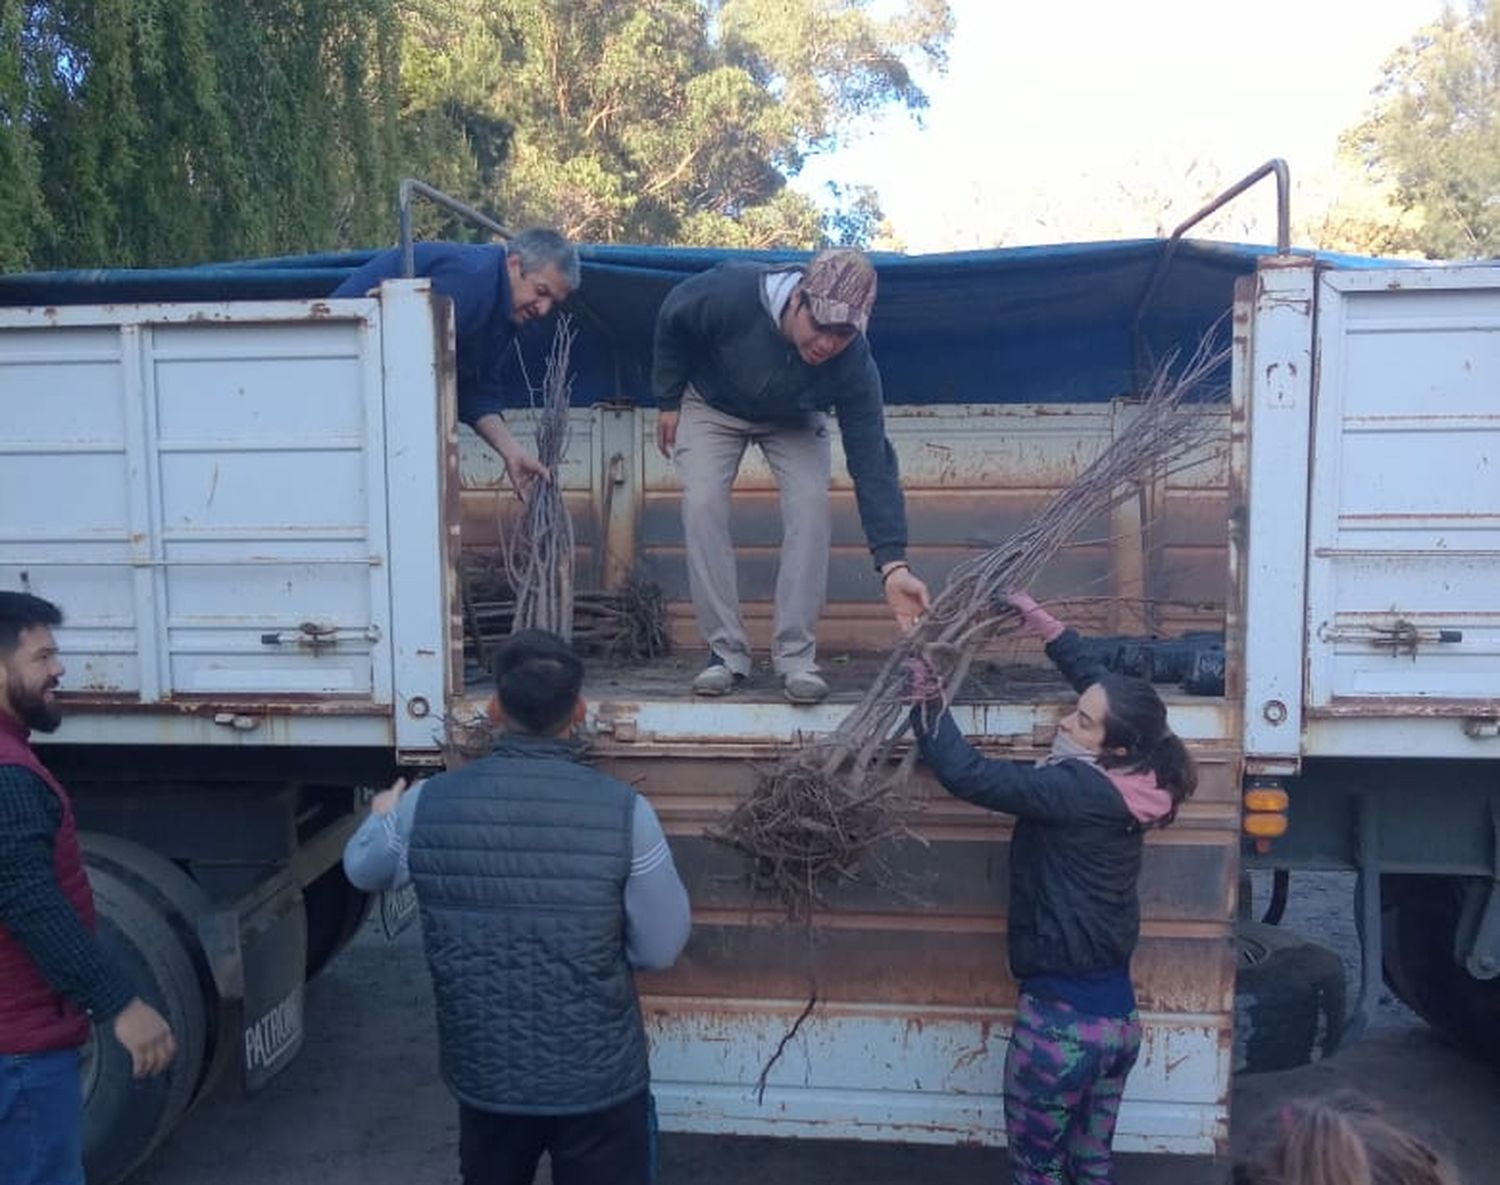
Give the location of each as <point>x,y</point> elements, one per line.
<point>473,276</point>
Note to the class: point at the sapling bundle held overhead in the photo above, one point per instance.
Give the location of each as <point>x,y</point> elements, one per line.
<point>815,817</point>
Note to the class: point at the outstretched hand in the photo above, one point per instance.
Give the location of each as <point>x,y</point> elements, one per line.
<point>1020,600</point>
<point>923,683</point>
<point>907,597</point>
<point>927,676</point>
<point>389,798</point>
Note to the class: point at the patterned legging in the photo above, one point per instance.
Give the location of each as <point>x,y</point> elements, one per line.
<point>1064,1074</point>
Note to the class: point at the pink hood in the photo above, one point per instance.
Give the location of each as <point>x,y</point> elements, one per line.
<point>1144,798</point>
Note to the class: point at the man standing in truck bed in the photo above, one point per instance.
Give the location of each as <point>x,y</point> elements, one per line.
<point>53,975</point>
<point>495,290</point>
<point>755,353</point>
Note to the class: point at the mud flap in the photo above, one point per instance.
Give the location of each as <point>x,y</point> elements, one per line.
<point>398,908</point>
<point>260,962</point>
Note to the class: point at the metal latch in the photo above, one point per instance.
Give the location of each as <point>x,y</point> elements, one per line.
<point>1400,637</point>
<point>616,720</point>
<point>318,636</point>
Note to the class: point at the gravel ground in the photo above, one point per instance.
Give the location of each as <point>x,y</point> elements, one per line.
<point>362,1105</point>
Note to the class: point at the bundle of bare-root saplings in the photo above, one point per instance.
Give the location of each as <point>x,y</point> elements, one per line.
<point>818,818</point>
<point>531,582</point>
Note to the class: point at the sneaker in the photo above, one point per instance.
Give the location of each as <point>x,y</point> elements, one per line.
<point>805,687</point>
<point>716,679</point>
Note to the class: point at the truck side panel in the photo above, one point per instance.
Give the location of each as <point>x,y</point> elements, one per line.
<point>204,489</point>
<point>1404,553</point>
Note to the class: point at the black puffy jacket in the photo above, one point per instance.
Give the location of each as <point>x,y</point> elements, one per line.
<point>1075,854</point>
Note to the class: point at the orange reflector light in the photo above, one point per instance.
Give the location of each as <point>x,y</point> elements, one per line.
<point>1265,826</point>
<point>1266,800</point>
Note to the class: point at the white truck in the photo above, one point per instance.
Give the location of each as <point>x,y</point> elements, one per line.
<point>253,513</point>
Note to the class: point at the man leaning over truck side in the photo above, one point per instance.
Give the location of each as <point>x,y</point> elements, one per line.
<point>495,290</point>
<point>541,884</point>
<point>54,977</point>
<point>758,354</point>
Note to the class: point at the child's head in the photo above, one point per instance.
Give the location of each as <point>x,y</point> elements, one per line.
<point>1343,1139</point>
<point>1122,721</point>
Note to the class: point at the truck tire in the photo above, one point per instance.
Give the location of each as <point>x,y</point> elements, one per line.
<point>183,903</point>
<point>1420,917</point>
<point>1289,1000</point>
<point>335,912</point>
<point>125,1118</point>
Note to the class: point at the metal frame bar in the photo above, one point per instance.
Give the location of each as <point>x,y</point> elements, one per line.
<point>1277,167</point>
<point>1367,906</point>
<point>412,188</point>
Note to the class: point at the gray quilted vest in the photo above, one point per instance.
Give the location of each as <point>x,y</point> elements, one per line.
<point>519,863</point>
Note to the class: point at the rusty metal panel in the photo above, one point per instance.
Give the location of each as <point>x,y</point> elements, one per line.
<point>973,475</point>
<point>915,999</point>
<point>911,1075</point>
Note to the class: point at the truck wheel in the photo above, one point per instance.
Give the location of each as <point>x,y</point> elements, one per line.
<point>1289,1000</point>
<point>125,1118</point>
<point>1420,916</point>
<point>179,899</point>
<point>335,912</point>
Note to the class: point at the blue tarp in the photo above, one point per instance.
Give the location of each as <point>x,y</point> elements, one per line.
<point>1028,324</point>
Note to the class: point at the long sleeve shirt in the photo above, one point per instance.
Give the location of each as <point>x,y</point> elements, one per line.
<point>715,332</point>
<point>475,278</point>
<point>33,907</point>
<point>658,917</point>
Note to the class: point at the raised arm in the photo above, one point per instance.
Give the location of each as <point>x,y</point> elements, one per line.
<point>1026,791</point>
<point>1064,645</point>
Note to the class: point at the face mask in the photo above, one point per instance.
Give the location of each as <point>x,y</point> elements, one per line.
<point>1065,747</point>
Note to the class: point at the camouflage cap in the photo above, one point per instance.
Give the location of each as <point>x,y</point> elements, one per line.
<point>840,287</point>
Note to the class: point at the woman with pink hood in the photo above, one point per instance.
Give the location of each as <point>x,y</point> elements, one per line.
<point>1115,771</point>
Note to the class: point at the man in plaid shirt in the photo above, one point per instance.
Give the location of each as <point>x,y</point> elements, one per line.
<point>54,977</point>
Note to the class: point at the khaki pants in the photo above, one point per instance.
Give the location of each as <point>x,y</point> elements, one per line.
<point>710,446</point>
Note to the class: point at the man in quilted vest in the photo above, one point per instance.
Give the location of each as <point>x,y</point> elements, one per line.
<point>542,884</point>
<point>54,977</point>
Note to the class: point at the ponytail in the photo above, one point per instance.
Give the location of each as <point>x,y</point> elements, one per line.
<point>1136,738</point>
<point>1176,771</point>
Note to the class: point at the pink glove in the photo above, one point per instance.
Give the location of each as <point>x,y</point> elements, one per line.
<point>923,683</point>
<point>1037,619</point>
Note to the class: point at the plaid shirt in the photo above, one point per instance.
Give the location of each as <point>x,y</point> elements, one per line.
<point>32,905</point>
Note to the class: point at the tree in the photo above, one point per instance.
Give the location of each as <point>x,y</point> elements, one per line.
<point>151,132</point>
<point>139,132</point>
<point>1433,135</point>
<point>660,120</point>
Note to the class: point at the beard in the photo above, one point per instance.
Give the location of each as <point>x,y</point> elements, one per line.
<point>32,708</point>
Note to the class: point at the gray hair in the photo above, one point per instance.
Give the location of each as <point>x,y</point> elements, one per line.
<point>540,247</point>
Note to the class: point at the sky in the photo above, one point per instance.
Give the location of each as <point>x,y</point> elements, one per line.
<point>1096,119</point>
